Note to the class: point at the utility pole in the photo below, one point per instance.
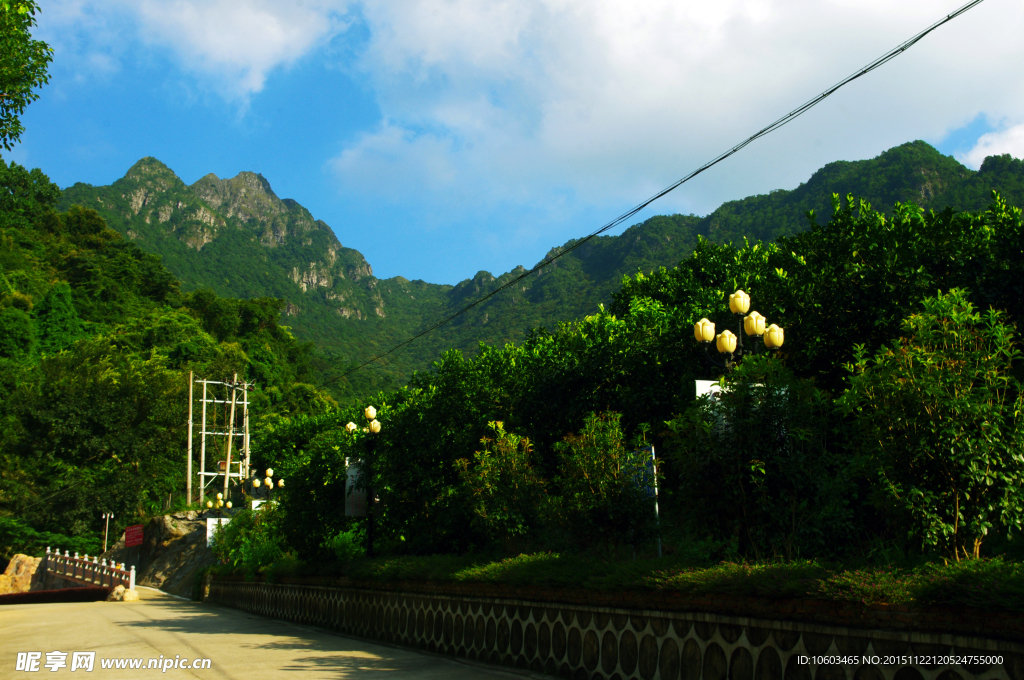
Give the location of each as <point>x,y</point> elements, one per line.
<point>188,466</point>
<point>230,431</point>
<point>243,474</point>
<point>202,451</point>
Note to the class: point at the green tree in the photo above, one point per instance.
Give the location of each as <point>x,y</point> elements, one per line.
<point>603,489</point>
<point>506,489</point>
<point>58,321</point>
<point>101,429</point>
<point>17,334</point>
<point>315,498</point>
<point>854,279</point>
<point>945,420</point>
<point>25,195</point>
<point>23,66</point>
<point>765,463</point>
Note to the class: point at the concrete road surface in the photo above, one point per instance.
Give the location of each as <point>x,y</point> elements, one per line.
<point>238,645</point>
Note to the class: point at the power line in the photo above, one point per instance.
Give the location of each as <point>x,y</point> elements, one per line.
<point>795,113</point>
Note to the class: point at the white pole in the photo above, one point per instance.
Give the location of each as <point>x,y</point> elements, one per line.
<point>188,455</point>
<point>657,517</point>
<point>202,451</point>
<point>106,528</point>
<point>245,435</point>
<point>231,436</point>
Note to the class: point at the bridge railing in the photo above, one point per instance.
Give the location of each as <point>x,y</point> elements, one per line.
<point>89,571</point>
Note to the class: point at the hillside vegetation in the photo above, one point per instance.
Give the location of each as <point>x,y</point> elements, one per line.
<point>239,239</point>
<point>96,342</point>
<point>887,429</point>
<point>98,336</point>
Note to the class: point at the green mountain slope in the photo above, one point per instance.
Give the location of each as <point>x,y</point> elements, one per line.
<point>238,238</point>
<point>96,345</point>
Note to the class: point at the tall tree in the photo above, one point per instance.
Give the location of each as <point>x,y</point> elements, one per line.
<point>23,66</point>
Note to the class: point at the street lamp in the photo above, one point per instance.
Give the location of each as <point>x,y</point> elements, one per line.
<point>373,427</point>
<point>219,503</point>
<point>107,516</point>
<point>752,324</point>
<point>265,486</point>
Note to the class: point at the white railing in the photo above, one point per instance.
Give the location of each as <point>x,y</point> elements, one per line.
<point>92,571</point>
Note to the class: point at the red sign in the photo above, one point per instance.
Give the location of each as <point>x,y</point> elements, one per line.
<point>133,536</point>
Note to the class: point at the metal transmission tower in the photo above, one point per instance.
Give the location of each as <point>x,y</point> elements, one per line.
<point>220,421</point>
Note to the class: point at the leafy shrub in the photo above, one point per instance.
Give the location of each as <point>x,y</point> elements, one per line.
<point>348,545</point>
<point>315,498</point>
<point>766,462</point>
<point>945,423</point>
<point>507,492</point>
<point>605,497</point>
<point>252,540</point>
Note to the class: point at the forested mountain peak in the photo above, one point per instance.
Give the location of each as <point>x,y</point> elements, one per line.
<point>249,198</point>
<point>152,170</point>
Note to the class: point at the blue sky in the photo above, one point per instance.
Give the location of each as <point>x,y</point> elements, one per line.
<point>442,137</point>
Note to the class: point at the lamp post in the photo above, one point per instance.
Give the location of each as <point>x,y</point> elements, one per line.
<point>219,503</point>
<point>373,428</point>
<point>267,485</point>
<point>107,516</point>
<point>752,324</point>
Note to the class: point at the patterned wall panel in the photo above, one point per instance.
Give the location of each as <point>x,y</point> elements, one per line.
<point>591,643</point>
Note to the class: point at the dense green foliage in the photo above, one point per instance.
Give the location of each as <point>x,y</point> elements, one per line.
<point>774,468</point>
<point>945,420</point>
<point>252,539</point>
<point>17,537</point>
<point>768,460</point>
<point>23,66</point>
<point>96,342</point>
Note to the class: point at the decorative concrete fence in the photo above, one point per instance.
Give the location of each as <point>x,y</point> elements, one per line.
<point>582,642</point>
<point>82,570</point>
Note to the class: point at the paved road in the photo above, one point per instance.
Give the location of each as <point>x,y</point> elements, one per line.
<point>240,646</point>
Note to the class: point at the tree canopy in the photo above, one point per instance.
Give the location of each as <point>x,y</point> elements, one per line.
<point>23,66</point>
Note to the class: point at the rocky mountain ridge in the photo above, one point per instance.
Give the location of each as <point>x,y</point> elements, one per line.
<point>154,207</point>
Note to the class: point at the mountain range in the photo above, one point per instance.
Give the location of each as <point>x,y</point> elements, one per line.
<point>237,237</point>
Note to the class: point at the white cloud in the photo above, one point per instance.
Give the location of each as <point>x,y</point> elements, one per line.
<point>232,43</point>
<point>391,159</point>
<point>615,100</point>
<point>239,41</point>
<point>592,105</point>
<point>1010,140</point>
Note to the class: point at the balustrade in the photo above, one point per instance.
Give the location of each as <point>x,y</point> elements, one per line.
<point>89,571</point>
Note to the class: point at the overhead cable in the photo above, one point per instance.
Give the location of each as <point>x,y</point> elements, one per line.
<point>891,54</point>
